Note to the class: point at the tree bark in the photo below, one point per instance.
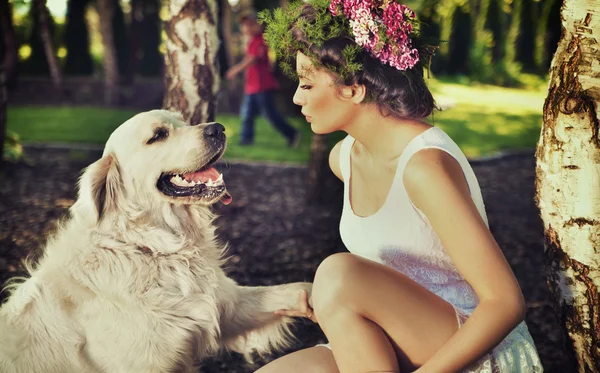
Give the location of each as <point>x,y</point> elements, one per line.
<point>191,60</point>
<point>568,181</point>
<point>111,67</point>
<point>9,48</point>
<point>46,35</point>
<point>316,167</point>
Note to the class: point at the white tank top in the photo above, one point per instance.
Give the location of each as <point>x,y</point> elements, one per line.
<point>399,235</point>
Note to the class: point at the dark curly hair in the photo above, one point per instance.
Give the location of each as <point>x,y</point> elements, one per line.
<point>402,94</point>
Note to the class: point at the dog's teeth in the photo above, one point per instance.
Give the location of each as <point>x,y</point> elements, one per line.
<point>220,179</point>
<point>210,183</point>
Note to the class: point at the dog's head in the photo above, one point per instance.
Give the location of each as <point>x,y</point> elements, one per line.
<point>155,157</point>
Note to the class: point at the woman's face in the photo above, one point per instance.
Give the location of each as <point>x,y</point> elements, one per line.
<point>317,94</point>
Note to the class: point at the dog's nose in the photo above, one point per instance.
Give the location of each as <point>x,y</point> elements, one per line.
<point>213,130</point>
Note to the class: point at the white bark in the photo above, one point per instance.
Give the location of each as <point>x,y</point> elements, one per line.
<point>192,79</point>
<point>568,180</point>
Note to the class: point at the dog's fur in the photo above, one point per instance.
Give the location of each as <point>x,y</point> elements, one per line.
<point>132,280</point>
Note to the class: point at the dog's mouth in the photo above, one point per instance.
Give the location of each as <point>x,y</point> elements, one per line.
<point>206,183</point>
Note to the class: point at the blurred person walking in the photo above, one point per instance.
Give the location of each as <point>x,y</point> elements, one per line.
<point>259,86</point>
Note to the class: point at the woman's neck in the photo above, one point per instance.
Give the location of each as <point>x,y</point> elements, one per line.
<point>381,137</point>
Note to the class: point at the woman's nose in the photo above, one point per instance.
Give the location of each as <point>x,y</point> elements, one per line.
<point>297,99</point>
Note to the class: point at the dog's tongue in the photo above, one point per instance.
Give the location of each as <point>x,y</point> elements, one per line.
<point>203,176</point>
<point>226,199</point>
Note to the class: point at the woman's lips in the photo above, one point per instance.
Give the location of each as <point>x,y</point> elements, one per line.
<point>307,118</point>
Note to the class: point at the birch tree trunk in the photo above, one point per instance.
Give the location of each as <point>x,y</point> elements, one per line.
<point>191,61</point>
<point>568,181</point>
<point>111,67</point>
<point>46,35</point>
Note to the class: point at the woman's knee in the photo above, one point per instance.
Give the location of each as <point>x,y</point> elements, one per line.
<point>334,281</point>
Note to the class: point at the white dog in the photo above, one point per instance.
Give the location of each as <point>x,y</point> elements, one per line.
<point>132,282</point>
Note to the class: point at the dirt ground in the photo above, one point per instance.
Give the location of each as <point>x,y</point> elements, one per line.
<point>275,237</point>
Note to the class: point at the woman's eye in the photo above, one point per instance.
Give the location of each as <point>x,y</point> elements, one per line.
<point>159,134</point>
<point>305,87</point>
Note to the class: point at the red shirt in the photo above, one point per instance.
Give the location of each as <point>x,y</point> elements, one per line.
<point>259,77</point>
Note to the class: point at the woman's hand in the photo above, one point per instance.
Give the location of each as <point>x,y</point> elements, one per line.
<point>304,310</point>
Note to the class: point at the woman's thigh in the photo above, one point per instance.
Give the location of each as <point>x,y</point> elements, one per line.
<point>416,321</point>
<point>314,360</point>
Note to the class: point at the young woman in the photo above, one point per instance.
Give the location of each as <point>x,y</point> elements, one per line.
<point>425,286</point>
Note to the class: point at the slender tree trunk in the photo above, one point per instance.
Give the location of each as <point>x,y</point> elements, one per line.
<point>111,68</point>
<point>446,8</point>
<point>144,39</point>
<point>120,37</point>
<point>541,55</point>
<point>317,166</point>
<point>527,32</point>
<point>480,53</point>
<point>55,72</point>
<point>568,181</point>
<point>77,40</point>
<point>9,47</point>
<point>191,61</point>
<point>226,27</point>
<point>510,49</point>
<point>3,99</point>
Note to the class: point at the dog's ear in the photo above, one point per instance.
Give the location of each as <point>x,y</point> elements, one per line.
<point>99,189</point>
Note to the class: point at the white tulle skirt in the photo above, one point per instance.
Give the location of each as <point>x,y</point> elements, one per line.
<point>515,354</point>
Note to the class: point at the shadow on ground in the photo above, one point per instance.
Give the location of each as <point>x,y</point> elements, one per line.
<point>275,237</point>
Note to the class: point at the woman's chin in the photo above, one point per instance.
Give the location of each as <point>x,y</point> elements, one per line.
<point>319,130</point>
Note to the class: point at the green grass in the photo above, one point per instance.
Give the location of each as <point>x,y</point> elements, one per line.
<point>483,121</point>
<point>488,119</point>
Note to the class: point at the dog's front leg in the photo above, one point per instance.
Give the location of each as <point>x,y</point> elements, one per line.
<point>248,322</point>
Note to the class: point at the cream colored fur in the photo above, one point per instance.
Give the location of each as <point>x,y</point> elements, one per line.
<point>96,302</point>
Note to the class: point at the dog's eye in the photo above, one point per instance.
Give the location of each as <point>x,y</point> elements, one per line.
<point>159,134</point>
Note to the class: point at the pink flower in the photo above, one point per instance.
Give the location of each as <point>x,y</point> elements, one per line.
<point>367,25</point>
<point>333,7</point>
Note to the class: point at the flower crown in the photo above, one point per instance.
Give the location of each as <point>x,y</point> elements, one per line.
<point>385,29</point>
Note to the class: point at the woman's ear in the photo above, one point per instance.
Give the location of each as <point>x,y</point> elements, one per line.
<point>99,189</point>
<point>355,93</point>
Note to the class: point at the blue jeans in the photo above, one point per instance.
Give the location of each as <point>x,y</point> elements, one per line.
<point>252,104</point>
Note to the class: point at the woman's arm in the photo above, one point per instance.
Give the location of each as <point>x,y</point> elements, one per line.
<point>436,185</point>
